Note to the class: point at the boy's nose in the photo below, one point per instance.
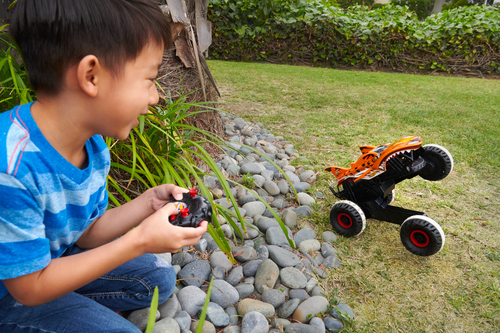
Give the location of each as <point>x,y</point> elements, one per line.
<point>153,96</point>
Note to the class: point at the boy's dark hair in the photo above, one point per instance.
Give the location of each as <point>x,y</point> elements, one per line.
<point>54,35</point>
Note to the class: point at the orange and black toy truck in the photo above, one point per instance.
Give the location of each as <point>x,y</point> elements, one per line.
<point>366,190</point>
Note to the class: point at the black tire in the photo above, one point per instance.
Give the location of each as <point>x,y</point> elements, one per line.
<point>440,158</point>
<point>421,235</point>
<point>389,199</point>
<point>347,218</point>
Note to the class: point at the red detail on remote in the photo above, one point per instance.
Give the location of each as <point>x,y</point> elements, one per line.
<point>184,212</point>
<point>193,192</point>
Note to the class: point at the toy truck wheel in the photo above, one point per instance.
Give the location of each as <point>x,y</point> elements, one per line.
<point>389,199</point>
<point>442,160</point>
<point>347,218</point>
<point>421,235</point>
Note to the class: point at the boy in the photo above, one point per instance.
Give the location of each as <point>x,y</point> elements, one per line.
<point>67,264</point>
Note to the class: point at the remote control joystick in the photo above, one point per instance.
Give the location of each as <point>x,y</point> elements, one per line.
<point>192,210</point>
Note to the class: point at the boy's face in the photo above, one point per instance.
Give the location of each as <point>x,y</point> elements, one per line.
<point>130,94</point>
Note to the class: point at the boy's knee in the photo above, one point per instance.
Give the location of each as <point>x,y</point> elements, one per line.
<point>164,278</point>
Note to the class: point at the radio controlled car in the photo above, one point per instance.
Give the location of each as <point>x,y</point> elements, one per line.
<point>366,190</point>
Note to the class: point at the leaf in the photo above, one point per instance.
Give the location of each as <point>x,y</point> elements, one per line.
<point>203,314</point>
<point>152,312</point>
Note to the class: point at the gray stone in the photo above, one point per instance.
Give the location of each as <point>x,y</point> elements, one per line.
<point>268,176</point>
<point>301,187</point>
<point>244,290</point>
<point>218,272</point>
<point>249,280</point>
<point>302,328</point>
<point>183,258</point>
<point>288,308</point>
<point>266,276</point>
<point>271,188</point>
<point>246,199</point>
<point>184,320</point>
<point>283,186</point>
<point>318,322</point>
<point>310,308</point>
<point>327,250</point>
<point>265,223</point>
<point>303,234</point>
<point>248,305</point>
<point>251,168</point>
<point>289,218</point>
<point>198,270</point>
<point>282,257</point>
<point>309,245</point>
<point>170,308</point>
<point>201,245</point>
<point>342,308</point>
<point>305,199</point>
<point>303,211</point>
<point>254,208</point>
<point>191,299</point>
<point>254,322</point>
<point>235,276</point>
<point>208,327</point>
<point>332,262</point>
<point>259,180</point>
<point>321,273</point>
<point>165,256</point>
<point>251,267</point>
<point>279,203</point>
<point>298,293</point>
<point>329,236</point>
<point>262,252</point>
<point>333,325</point>
<point>293,177</point>
<point>216,315</point>
<point>140,318</point>
<point>233,170</point>
<point>317,291</point>
<point>275,236</point>
<point>274,297</point>
<point>311,284</point>
<point>243,253</point>
<point>319,259</point>
<point>232,329</point>
<point>250,234</point>
<point>308,176</point>
<point>166,325</point>
<point>292,278</point>
<point>280,323</point>
<point>224,294</point>
<point>220,259</point>
<point>233,315</point>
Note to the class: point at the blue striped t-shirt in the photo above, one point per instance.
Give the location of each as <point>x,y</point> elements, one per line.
<point>46,203</point>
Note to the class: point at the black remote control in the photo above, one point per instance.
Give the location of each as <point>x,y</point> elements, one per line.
<point>193,209</point>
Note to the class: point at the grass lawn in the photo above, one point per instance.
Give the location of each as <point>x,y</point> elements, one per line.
<point>327,114</point>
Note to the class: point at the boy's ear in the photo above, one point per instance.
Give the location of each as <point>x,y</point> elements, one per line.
<point>88,73</point>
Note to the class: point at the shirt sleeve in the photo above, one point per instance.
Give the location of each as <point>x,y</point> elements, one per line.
<point>24,248</point>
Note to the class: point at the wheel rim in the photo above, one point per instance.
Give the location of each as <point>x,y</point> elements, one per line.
<point>344,220</point>
<point>419,238</point>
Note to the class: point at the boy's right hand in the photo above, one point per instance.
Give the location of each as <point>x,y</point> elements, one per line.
<point>156,235</point>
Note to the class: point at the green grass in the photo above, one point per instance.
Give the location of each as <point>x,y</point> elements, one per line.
<point>327,114</point>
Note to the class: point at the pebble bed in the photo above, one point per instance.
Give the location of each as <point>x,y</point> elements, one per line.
<point>273,288</point>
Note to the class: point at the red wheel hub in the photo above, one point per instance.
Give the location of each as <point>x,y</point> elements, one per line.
<point>344,220</point>
<point>419,238</point>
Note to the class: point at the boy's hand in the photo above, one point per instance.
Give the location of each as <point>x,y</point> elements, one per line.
<point>163,194</point>
<point>156,235</point>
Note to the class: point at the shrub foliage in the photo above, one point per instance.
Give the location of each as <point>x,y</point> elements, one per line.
<point>461,40</point>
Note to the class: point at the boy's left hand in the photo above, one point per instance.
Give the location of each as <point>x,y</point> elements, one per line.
<point>164,194</point>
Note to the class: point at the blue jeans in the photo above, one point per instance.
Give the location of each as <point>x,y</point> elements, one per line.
<point>93,307</point>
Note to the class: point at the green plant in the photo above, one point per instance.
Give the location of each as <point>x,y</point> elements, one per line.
<point>14,83</point>
<point>152,312</point>
<point>199,328</point>
<point>164,149</point>
<point>461,40</point>
<point>248,181</point>
<point>349,3</point>
<point>422,8</point>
